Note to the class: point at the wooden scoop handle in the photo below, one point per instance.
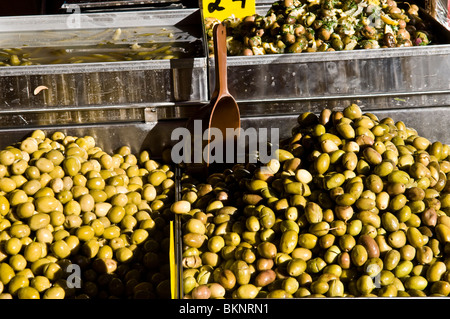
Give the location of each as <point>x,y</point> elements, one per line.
<point>220,59</point>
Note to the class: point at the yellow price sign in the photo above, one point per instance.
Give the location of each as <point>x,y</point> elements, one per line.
<point>222,9</point>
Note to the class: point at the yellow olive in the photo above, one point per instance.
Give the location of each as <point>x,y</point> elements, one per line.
<point>415,238</point>
<point>38,221</point>
<point>19,230</point>
<point>85,233</point>
<point>71,165</point>
<point>16,283</point>
<point>60,248</point>
<point>124,254</point>
<point>33,251</point>
<point>322,163</point>
<point>46,204</point>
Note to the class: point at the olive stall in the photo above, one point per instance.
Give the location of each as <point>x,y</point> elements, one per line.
<point>354,204</point>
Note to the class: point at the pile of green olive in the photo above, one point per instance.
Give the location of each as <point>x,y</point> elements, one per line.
<point>295,26</point>
<point>351,206</point>
<point>77,222</point>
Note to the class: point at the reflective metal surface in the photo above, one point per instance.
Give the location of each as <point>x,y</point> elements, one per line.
<point>91,5</point>
<point>430,122</point>
<point>109,83</point>
<point>116,130</point>
<point>103,84</point>
<point>363,73</point>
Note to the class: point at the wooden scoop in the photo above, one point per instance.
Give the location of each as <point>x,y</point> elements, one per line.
<point>222,112</point>
<point>224,109</point>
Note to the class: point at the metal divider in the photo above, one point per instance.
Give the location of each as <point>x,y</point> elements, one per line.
<point>176,252</point>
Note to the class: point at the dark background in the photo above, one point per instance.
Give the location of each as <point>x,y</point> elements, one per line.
<point>27,7</point>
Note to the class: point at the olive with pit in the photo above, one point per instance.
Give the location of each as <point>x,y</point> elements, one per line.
<point>265,278</point>
<point>181,207</point>
<point>227,279</point>
<point>267,250</point>
<point>415,237</point>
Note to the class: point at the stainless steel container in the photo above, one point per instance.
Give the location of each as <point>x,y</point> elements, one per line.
<point>108,83</point>
<point>155,136</point>
<point>417,73</point>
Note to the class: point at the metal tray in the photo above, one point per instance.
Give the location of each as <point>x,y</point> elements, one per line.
<point>106,83</point>
<point>104,5</point>
<point>377,74</point>
<point>429,122</point>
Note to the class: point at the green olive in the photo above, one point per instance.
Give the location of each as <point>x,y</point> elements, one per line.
<point>282,155</point>
<point>52,271</point>
<point>33,251</point>
<point>389,222</point>
<point>403,269</point>
<point>193,240</point>
<point>399,176</point>
<point>195,226</point>
<point>384,168</point>
<point>347,242</point>
<point>369,218</point>
<point>365,285</point>
<point>13,246</point>
<point>60,248</point>
<point>71,165</point>
<point>414,236</point>
<point>267,250</point>
<point>20,230</point>
<point>85,233</point>
<point>7,184</point>
<point>18,263</point>
<point>247,291</point>
<point>288,241</point>
<point>358,255</point>
<point>227,279</point>
<point>296,267</point>
<point>156,177</point>
<point>265,278</point>
<point>443,233</point>
<point>16,283</point>
<point>322,163</point>
<point>124,255</point>
<point>345,130</point>
<point>307,240</point>
<point>365,204</point>
<point>372,156</point>
<point>28,293</point>
<point>313,212</point>
<point>38,221</point>
<point>46,204</point>
<point>436,271</point>
<point>441,288</point>
<point>397,239</point>
<point>416,282</point>
<point>391,259</point>
<point>40,283</point>
<point>346,199</point>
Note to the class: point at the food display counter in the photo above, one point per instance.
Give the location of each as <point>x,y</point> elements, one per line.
<point>354,202</point>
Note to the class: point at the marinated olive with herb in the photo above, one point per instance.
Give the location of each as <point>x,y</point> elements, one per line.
<point>318,26</point>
